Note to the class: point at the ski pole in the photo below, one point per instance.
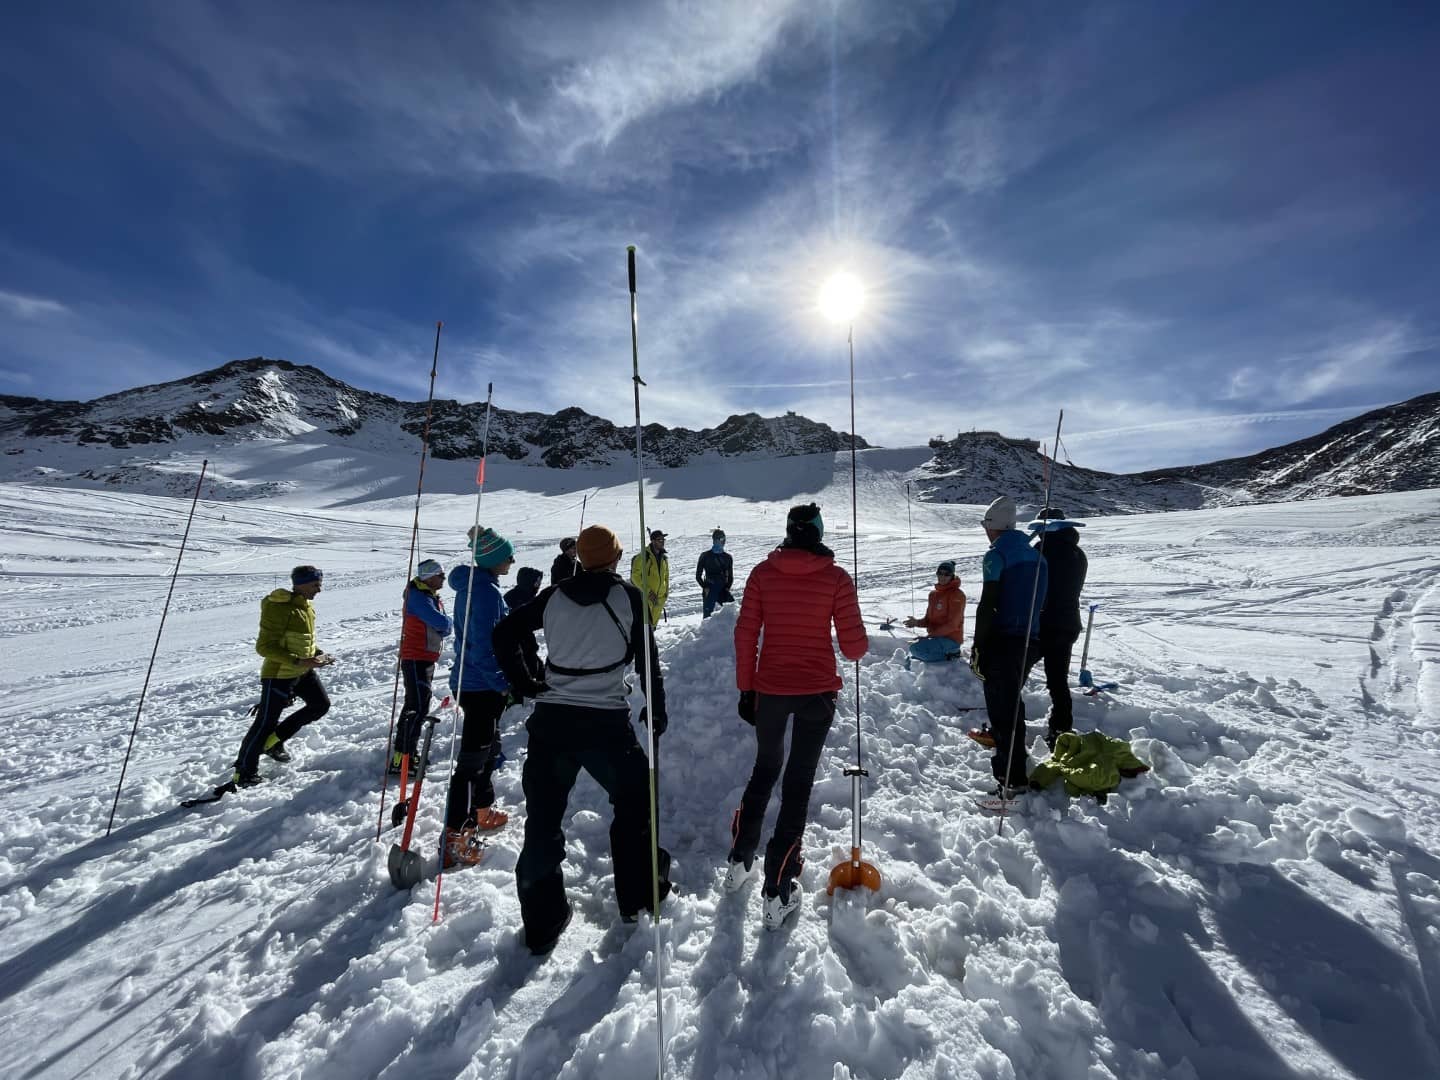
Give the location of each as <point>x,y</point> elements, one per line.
<point>910,530</point>
<point>651,746</point>
<point>464,637</point>
<point>583,501</point>
<point>1086,679</point>
<point>1025,644</point>
<point>854,871</point>
<point>409,569</point>
<point>164,611</point>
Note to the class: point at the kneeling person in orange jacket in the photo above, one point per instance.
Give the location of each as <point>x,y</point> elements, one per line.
<point>944,619</point>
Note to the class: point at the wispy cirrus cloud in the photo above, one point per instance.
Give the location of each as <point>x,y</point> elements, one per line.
<point>21,306</point>
<point>1128,217</point>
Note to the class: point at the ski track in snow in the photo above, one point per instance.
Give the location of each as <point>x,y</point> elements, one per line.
<point>1264,903</point>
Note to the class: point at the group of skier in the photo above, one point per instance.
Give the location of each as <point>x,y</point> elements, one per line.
<point>598,626</point>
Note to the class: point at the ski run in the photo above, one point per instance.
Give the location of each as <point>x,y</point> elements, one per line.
<point>1265,903</point>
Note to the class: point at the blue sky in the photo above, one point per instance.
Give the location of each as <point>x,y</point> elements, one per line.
<point>1201,228</point>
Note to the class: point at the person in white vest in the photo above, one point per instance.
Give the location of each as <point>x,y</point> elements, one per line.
<point>594,632</point>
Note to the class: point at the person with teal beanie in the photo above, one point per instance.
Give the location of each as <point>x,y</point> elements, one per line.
<point>483,693</point>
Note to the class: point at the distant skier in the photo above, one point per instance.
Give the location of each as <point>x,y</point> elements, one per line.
<point>650,571</point>
<point>594,630</point>
<point>566,565</point>
<point>944,618</point>
<point>715,573</point>
<point>791,598</point>
<point>527,586</point>
<point>422,636</point>
<point>482,691</point>
<point>287,642</point>
<point>1060,618</point>
<point>1002,655</point>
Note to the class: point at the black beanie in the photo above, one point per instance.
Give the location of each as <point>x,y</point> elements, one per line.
<point>803,525</point>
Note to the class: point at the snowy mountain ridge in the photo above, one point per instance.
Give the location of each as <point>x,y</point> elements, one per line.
<point>276,399</point>
<point>262,418</point>
<point>1396,448</point>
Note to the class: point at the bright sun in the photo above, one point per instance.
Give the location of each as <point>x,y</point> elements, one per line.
<point>841,297</point>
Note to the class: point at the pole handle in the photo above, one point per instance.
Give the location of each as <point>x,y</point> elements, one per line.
<point>630,254</point>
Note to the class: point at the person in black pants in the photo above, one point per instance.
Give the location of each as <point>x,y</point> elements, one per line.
<point>784,666</point>
<point>1060,619</point>
<point>482,692</point>
<point>714,573</point>
<point>287,642</point>
<point>594,629</point>
<point>1007,627</point>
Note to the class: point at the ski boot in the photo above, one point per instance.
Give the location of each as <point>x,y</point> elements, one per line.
<point>740,871</point>
<point>275,749</point>
<point>463,846</point>
<point>776,909</point>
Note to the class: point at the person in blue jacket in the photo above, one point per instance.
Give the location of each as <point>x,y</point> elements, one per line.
<point>483,693</point>
<point>1007,629</point>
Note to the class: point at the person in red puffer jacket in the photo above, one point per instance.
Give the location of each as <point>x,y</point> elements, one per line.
<point>793,597</point>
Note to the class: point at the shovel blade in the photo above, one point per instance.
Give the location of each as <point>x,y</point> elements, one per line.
<point>854,873</point>
<point>406,867</point>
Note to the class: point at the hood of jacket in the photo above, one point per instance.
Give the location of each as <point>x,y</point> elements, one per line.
<point>285,596</point>
<point>460,577</point>
<point>590,586</point>
<point>1067,537</point>
<point>797,560</point>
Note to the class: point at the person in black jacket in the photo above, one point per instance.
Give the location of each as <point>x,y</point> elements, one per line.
<point>715,573</point>
<point>527,586</point>
<point>594,629</point>
<point>1060,618</point>
<point>566,565</point>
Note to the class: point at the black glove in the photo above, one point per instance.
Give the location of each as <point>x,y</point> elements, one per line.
<point>746,708</point>
<point>662,721</point>
<point>514,697</point>
<point>528,687</point>
<point>975,662</point>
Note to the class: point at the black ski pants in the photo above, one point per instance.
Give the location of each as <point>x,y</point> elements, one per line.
<point>275,697</point>
<point>471,785</point>
<point>1055,651</point>
<point>1005,662</point>
<point>813,714</point>
<point>418,678</point>
<point>563,740</point>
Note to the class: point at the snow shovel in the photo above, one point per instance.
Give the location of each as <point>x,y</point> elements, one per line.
<point>1086,679</point>
<point>407,866</point>
<point>854,872</point>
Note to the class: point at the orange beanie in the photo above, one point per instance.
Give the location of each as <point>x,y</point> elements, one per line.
<point>597,546</point>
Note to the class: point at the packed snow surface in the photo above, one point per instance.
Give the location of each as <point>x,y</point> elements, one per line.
<point>1264,903</point>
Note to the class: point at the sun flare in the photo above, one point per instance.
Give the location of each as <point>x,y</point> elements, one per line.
<point>841,297</point>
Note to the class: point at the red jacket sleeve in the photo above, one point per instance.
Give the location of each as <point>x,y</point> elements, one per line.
<point>849,627</point>
<point>747,632</point>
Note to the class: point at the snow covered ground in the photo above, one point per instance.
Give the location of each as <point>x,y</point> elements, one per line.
<point>1265,903</point>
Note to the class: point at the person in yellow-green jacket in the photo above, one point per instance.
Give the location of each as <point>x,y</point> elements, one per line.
<point>287,642</point>
<point>650,573</point>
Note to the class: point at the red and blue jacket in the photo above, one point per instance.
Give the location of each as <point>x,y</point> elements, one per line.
<point>426,624</point>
